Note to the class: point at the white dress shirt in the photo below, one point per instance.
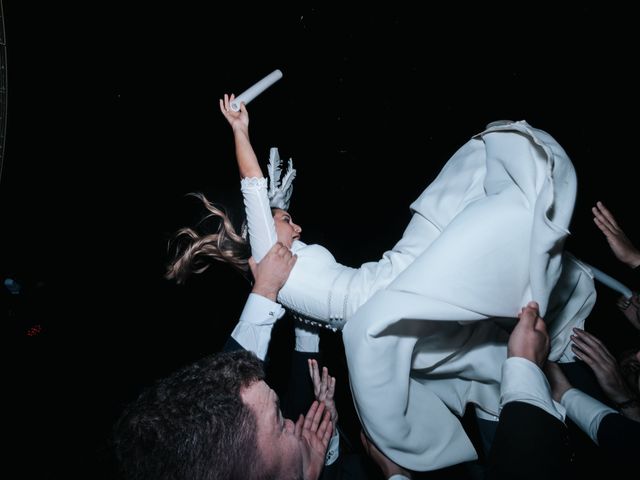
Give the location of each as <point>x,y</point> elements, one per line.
<point>585,411</point>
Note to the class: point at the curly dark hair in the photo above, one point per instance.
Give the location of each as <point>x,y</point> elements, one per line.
<point>193,425</point>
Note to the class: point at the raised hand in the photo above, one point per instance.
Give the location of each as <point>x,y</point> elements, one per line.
<point>237,120</point>
<point>592,351</point>
<point>324,387</point>
<point>315,431</point>
<point>620,244</point>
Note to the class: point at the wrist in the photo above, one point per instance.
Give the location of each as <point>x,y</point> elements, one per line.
<point>265,292</point>
<point>240,130</point>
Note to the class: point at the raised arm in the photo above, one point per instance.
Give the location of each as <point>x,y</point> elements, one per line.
<point>248,165</point>
<point>262,230</point>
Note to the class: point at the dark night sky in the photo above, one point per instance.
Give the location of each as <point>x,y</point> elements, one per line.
<point>113,117</point>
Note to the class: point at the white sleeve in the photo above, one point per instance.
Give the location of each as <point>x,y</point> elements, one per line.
<point>333,449</point>
<point>585,411</point>
<point>262,229</point>
<point>253,330</point>
<point>523,381</point>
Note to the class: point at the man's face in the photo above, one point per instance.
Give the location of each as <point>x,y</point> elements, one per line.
<point>278,444</point>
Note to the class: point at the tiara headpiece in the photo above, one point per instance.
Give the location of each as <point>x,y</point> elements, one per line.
<point>279,191</point>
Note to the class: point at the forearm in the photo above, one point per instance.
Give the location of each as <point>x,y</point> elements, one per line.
<point>248,165</point>
<point>253,331</point>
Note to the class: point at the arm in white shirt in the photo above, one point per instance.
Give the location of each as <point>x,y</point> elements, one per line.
<point>585,411</point>
<point>253,331</point>
<point>523,381</point>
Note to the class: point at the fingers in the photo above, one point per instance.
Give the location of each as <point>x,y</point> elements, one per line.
<point>225,104</point>
<point>529,316</point>
<point>280,250</point>
<point>325,429</point>
<point>591,347</point>
<point>331,390</point>
<point>314,415</point>
<point>315,376</point>
<point>299,425</point>
<point>624,302</point>
<point>325,379</point>
<point>323,386</point>
<point>605,221</point>
<point>604,215</point>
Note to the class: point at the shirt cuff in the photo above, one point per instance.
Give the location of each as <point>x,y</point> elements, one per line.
<point>253,331</point>
<point>307,339</point>
<point>398,476</point>
<point>585,411</point>
<point>333,450</point>
<point>523,381</point>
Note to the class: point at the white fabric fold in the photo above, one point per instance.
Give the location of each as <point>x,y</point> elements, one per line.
<point>503,204</point>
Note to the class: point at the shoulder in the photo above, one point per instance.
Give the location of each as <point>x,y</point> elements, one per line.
<point>313,251</point>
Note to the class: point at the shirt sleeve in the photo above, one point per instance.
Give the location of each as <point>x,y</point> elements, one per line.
<point>585,411</point>
<point>523,381</point>
<point>262,229</point>
<point>253,331</point>
<point>333,450</point>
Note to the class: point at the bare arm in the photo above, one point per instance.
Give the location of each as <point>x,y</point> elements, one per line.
<point>248,165</point>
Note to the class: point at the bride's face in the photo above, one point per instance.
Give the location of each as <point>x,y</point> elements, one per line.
<point>286,230</point>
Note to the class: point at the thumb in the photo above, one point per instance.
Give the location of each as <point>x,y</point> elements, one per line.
<point>529,315</point>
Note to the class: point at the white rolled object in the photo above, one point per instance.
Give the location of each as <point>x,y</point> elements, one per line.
<point>255,90</point>
<point>611,282</point>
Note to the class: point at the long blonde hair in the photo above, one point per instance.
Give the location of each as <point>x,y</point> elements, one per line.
<point>195,252</point>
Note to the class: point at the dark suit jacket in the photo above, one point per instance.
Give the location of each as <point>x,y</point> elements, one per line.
<point>529,444</point>
<point>619,439</point>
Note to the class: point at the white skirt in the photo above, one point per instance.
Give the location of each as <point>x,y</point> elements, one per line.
<point>419,350</point>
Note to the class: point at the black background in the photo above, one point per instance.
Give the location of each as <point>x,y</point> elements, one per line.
<point>113,117</point>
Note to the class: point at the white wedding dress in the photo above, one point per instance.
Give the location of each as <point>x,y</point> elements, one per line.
<point>423,327</point>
